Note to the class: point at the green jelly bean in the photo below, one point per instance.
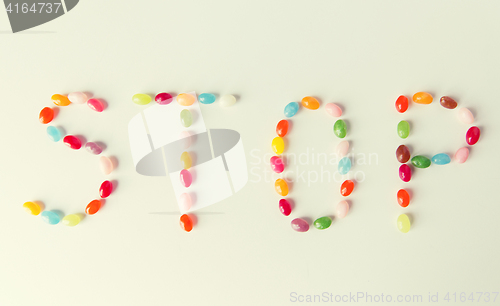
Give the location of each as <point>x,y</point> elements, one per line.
<point>323,222</point>
<point>339,128</point>
<point>141,99</point>
<point>420,161</point>
<point>403,129</point>
<point>186,118</point>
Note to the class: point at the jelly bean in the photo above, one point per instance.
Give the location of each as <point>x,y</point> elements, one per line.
<point>186,223</point>
<point>185,99</point>
<point>105,189</point>
<point>422,98</point>
<point>186,160</point>
<point>403,197</point>
<point>405,173</point>
<point>186,118</point>
<point>472,135</point>
<point>93,148</point>
<point>403,154</point>
<point>310,103</point>
<point>95,105</point>
<point>106,165</point>
<point>71,220</point>
<point>340,128</point>
<point>185,202</point>
<point>441,159</point>
<point>186,178</point>
<point>291,109</point>
<point>346,188</point>
<point>448,102</point>
<point>403,223</point>
<point>46,115</point>
<point>344,165</point>
<point>141,99</point>
<point>300,225</point>
<point>465,115</point>
<point>32,208</point>
<point>403,129</point>
<point>54,133</point>
<point>50,217</point>
<point>77,97</point>
<point>164,98</point>
<point>282,128</point>
<point>93,207</point>
<point>420,161</point>
<point>206,98</point>
<point>227,100</point>
<point>281,187</point>
<point>60,100</point>
<point>277,164</point>
<point>322,223</point>
<point>278,145</point>
<point>333,110</point>
<point>342,209</point>
<point>402,104</point>
<point>73,142</point>
<point>343,148</point>
<point>285,207</point>
<point>462,155</point>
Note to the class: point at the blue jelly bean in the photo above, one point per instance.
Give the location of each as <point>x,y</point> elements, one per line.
<point>344,165</point>
<point>291,109</point>
<point>54,133</point>
<point>50,217</point>
<point>206,98</point>
<point>441,159</point>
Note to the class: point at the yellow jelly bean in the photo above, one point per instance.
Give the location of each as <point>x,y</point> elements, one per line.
<point>186,160</point>
<point>60,100</point>
<point>32,208</point>
<point>185,99</point>
<point>281,187</point>
<point>422,98</point>
<point>71,220</point>
<point>403,223</point>
<point>278,145</point>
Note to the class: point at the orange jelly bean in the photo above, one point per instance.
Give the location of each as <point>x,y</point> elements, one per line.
<point>403,198</point>
<point>346,188</point>
<point>186,223</point>
<point>93,207</point>
<point>282,128</point>
<point>310,103</point>
<point>60,100</point>
<point>422,98</point>
<point>402,104</point>
<point>281,187</point>
<point>46,115</point>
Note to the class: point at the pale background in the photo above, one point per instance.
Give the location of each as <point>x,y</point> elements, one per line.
<point>361,54</point>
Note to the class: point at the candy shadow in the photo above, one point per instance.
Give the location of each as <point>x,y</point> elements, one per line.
<point>56,111</point>
<point>114,183</point>
<point>114,161</point>
<point>319,100</point>
<point>82,139</point>
<point>81,216</point>
<point>194,158</point>
<point>292,203</point>
<point>103,202</point>
<point>308,220</point>
<point>102,145</point>
<point>41,204</point>
<point>194,218</point>
<point>290,126</point>
<point>104,103</point>
<point>193,175</point>
<point>89,95</point>
<point>412,219</point>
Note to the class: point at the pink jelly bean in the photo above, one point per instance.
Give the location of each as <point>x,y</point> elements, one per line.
<point>285,207</point>
<point>343,148</point>
<point>163,98</point>
<point>186,178</point>
<point>185,202</point>
<point>342,209</point>
<point>333,109</point>
<point>300,225</point>
<point>462,155</point>
<point>277,164</point>
<point>465,115</point>
<point>405,173</point>
<point>96,105</point>
<point>73,142</point>
<point>472,135</point>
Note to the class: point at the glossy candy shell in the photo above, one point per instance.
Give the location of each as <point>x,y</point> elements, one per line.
<point>300,225</point>
<point>186,178</point>
<point>73,142</point>
<point>342,209</point>
<point>93,207</point>
<point>186,118</point>
<point>77,97</point>
<point>461,155</point>
<point>422,98</point>
<point>344,165</point>
<point>282,128</point>
<point>93,148</point>
<point>227,100</point>
<point>50,217</point>
<point>186,160</point>
<point>441,159</point>
<point>310,103</point>
<point>164,98</point>
<point>281,187</point>
<point>185,99</point>
<point>141,99</point>
<point>346,188</point>
<point>60,100</point>
<point>403,223</point>
<point>322,223</point>
<point>278,145</point>
<point>95,105</point>
<point>285,207</point>
<point>405,173</point>
<point>472,135</point>
<point>206,98</point>
<point>403,129</point>
<point>105,189</point>
<point>71,220</point>
<point>403,154</point>
<point>420,161</point>
<point>402,104</point>
<point>333,110</point>
<point>403,198</point>
<point>340,128</point>
<point>186,223</point>
<point>291,109</point>
<point>32,208</point>
<point>54,133</point>
<point>277,164</point>
<point>46,115</point>
<point>448,102</point>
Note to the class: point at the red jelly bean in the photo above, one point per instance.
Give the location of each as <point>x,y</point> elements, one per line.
<point>402,104</point>
<point>282,128</point>
<point>186,223</point>
<point>106,189</point>
<point>93,207</point>
<point>46,115</point>
<point>405,173</point>
<point>163,98</point>
<point>73,142</point>
<point>346,188</point>
<point>403,198</point>
<point>472,135</point>
<point>285,207</point>
<point>96,105</point>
